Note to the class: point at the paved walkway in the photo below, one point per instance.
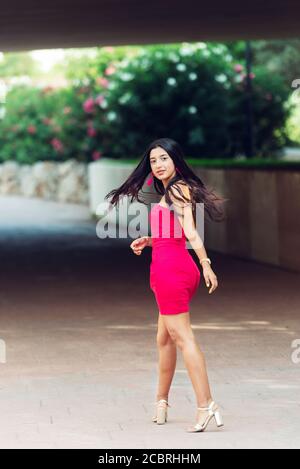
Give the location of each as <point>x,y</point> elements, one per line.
<point>79,322</point>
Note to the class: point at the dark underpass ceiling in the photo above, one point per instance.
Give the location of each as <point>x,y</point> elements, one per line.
<point>38,24</point>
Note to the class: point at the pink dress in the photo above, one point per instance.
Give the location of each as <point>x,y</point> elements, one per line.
<point>174,275</point>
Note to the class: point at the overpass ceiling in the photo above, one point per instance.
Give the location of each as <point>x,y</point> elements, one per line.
<point>44,24</point>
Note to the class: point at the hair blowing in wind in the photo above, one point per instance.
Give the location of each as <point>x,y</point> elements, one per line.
<point>199,192</point>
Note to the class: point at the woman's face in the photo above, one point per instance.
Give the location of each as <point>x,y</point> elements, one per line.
<point>162,165</point>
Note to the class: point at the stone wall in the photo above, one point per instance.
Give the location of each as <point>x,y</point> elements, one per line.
<point>263,222</point>
<point>64,182</point>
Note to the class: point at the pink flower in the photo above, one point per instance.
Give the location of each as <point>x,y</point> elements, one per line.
<point>82,89</point>
<point>57,144</point>
<point>67,110</point>
<point>46,120</point>
<point>238,68</point>
<point>99,99</point>
<point>251,75</point>
<point>109,48</point>
<point>31,129</point>
<point>48,89</point>
<point>110,70</point>
<point>88,105</point>
<point>91,131</point>
<point>96,155</point>
<point>102,82</point>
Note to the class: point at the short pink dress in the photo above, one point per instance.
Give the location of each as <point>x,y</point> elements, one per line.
<point>174,275</point>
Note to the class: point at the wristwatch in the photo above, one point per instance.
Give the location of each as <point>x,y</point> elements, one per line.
<point>205,259</point>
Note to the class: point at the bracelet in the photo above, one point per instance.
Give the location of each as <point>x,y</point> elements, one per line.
<point>205,259</point>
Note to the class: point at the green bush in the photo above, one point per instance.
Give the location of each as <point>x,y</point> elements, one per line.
<point>194,93</point>
<point>48,124</point>
<point>176,91</point>
<point>29,125</point>
<point>270,112</point>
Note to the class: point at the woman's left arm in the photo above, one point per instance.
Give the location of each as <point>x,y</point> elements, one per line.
<point>186,220</point>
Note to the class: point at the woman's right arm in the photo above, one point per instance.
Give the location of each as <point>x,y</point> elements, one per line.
<point>140,243</point>
<point>149,241</point>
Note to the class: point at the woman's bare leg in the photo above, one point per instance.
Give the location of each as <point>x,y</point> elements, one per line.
<point>167,359</point>
<point>180,330</point>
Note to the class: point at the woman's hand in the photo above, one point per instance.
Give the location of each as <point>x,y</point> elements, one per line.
<point>139,244</point>
<point>210,277</point>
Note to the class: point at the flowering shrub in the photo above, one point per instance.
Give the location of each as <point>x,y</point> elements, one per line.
<point>29,130</point>
<point>50,125</point>
<point>270,112</point>
<point>194,93</point>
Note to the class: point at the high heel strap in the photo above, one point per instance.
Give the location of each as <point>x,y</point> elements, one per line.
<point>162,401</point>
<point>207,408</point>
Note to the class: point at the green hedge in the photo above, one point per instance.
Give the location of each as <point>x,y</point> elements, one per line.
<point>194,93</point>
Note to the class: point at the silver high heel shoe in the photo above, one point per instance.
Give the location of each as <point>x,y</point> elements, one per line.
<point>161,414</point>
<point>212,411</point>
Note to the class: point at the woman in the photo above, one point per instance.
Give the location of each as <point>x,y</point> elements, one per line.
<point>174,276</point>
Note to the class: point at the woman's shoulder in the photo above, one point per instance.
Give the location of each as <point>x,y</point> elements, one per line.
<point>180,188</point>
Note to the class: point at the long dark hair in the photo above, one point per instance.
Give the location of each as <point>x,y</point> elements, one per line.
<point>199,192</point>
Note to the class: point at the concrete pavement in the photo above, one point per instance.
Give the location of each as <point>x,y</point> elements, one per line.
<point>79,322</point>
